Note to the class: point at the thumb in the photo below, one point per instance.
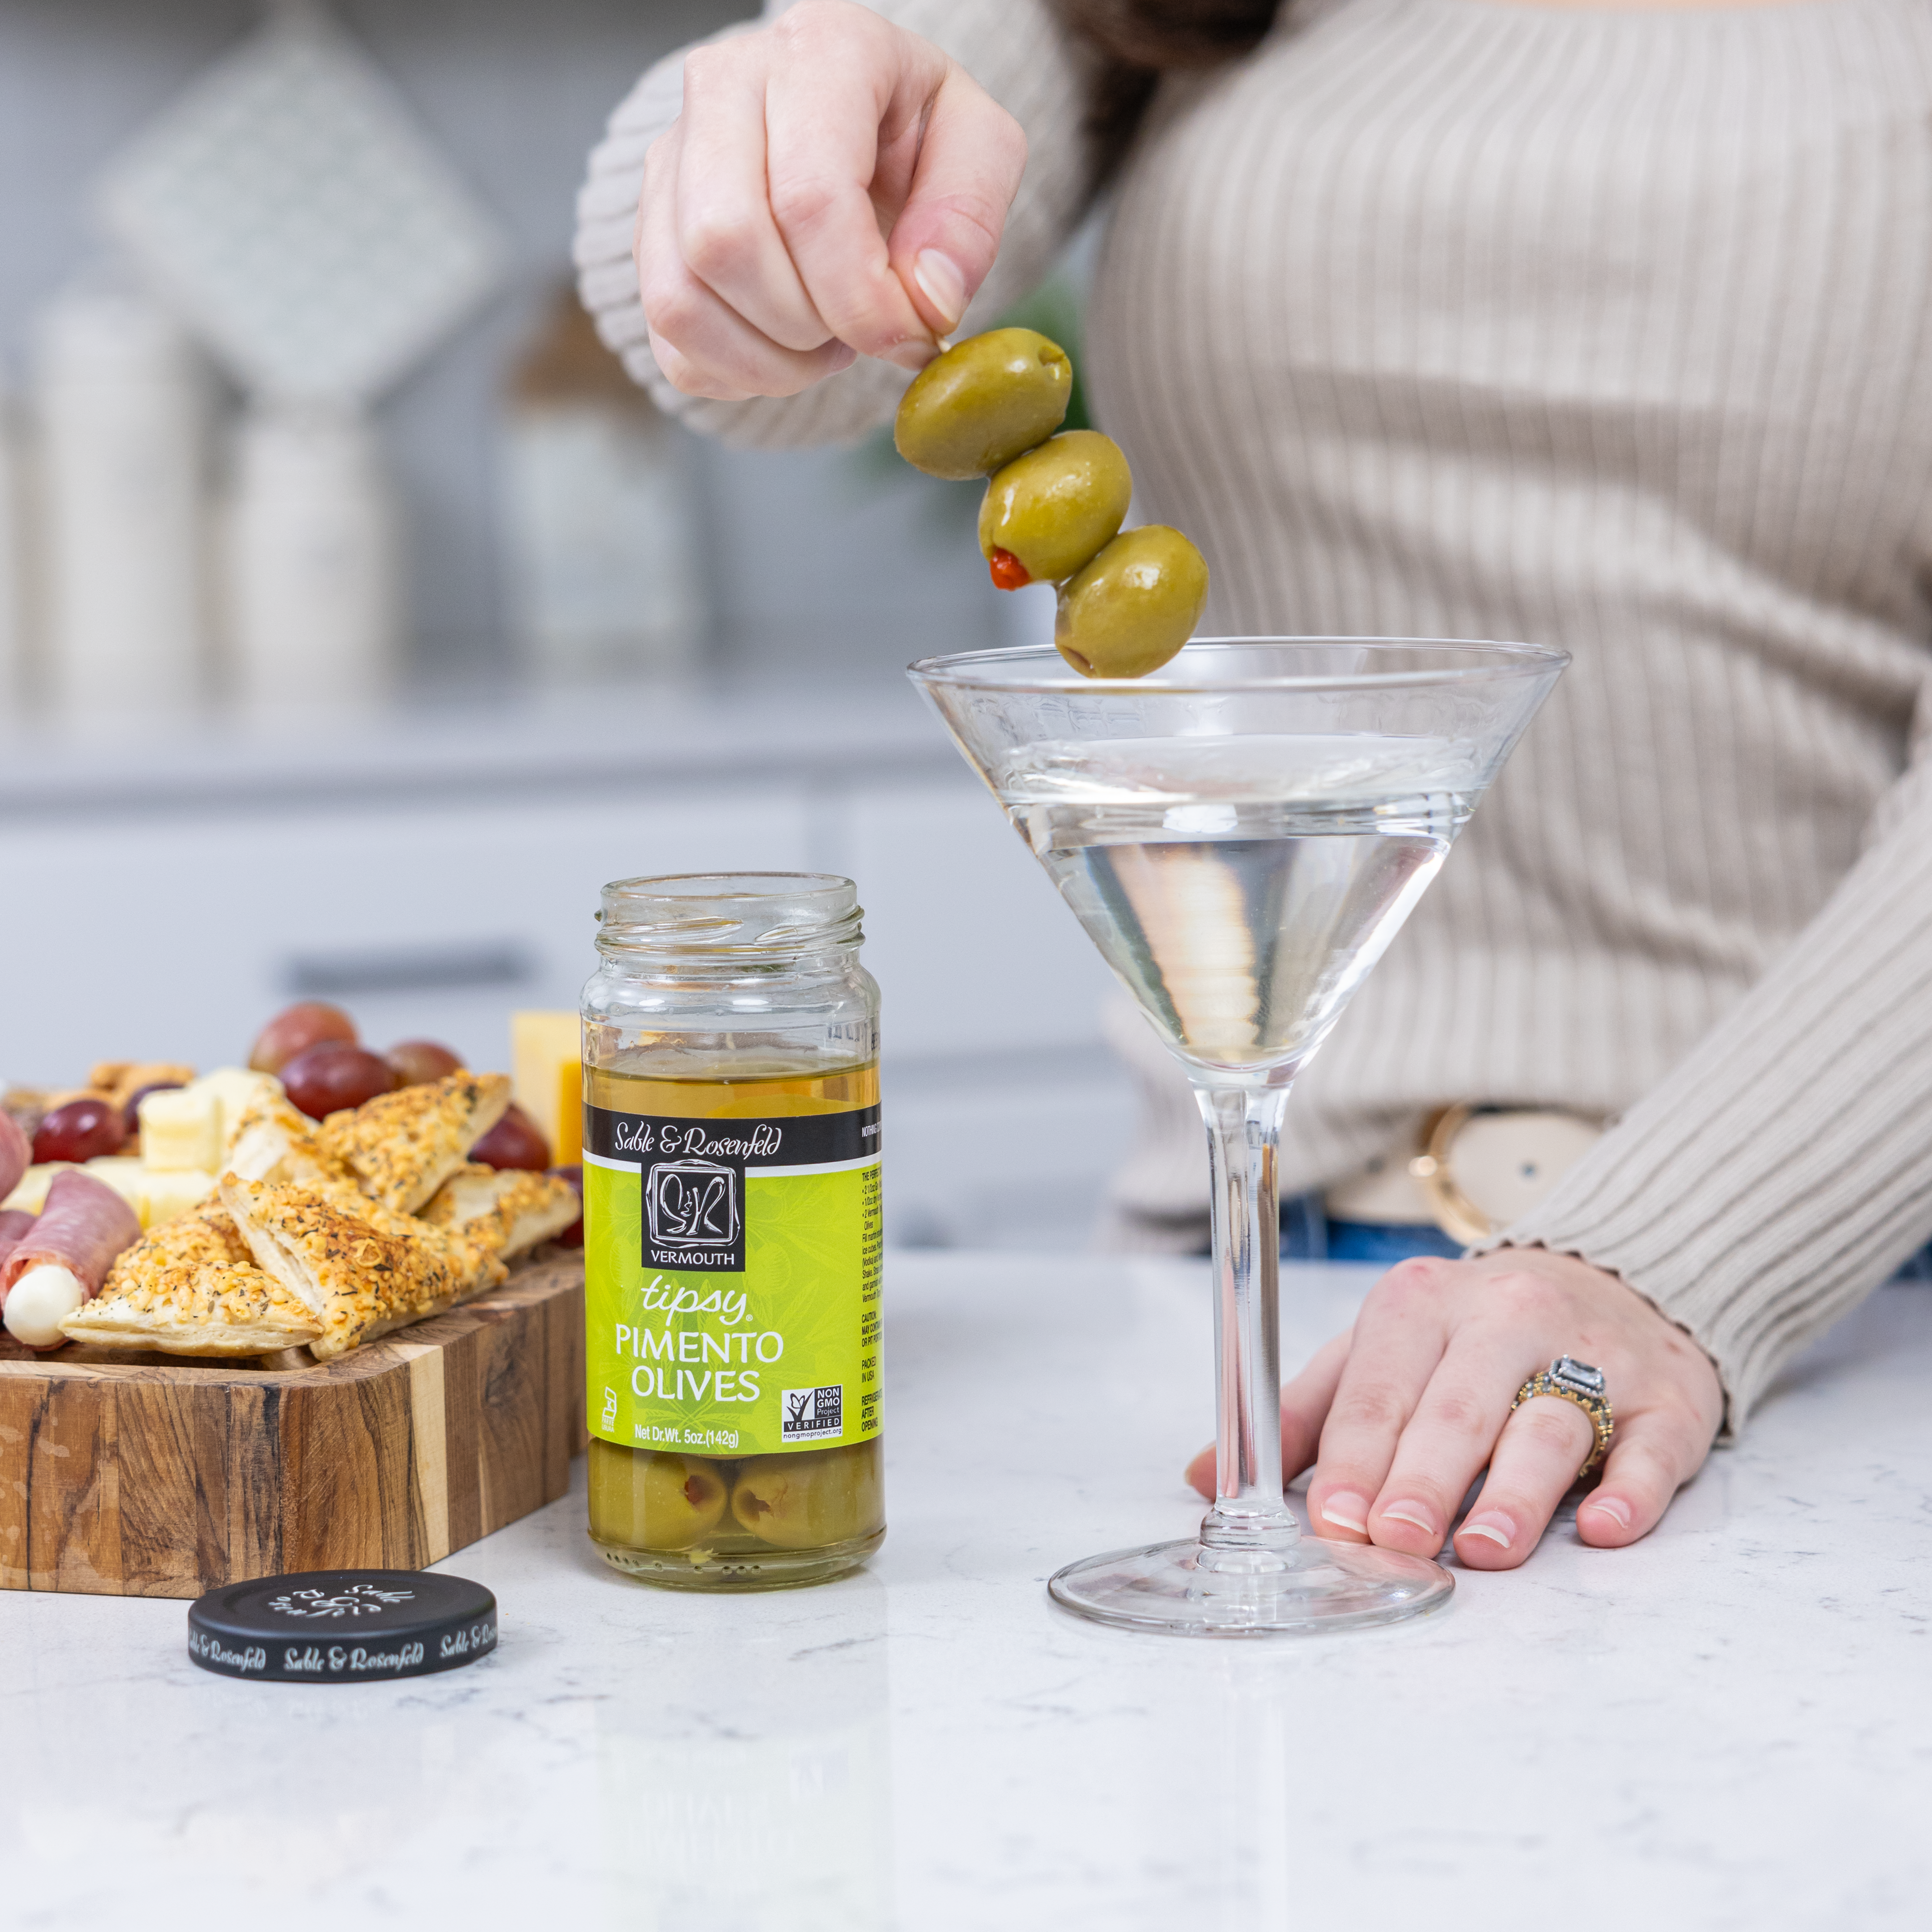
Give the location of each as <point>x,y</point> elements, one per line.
<point>971,157</point>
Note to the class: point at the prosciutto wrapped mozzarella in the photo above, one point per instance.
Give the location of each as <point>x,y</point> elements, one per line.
<point>16,1154</point>
<point>13,1226</point>
<point>62,1259</point>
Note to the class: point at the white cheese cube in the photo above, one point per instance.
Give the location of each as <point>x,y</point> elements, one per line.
<point>166,1197</point>
<point>180,1130</point>
<point>121,1174</point>
<point>236,1089</point>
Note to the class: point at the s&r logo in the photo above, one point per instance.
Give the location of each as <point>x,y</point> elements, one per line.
<point>692,1203</point>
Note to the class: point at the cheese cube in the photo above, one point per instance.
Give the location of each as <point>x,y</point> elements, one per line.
<point>122,1173</point>
<point>546,1069</point>
<point>180,1130</point>
<point>30,1195</point>
<point>166,1197</point>
<point>236,1089</point>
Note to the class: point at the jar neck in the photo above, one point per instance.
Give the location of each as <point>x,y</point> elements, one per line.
<point>731,966</point>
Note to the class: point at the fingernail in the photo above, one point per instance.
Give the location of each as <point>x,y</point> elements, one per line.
<point>1498,1529</point>
<point>842,357</point>
<point>1612,1506</point>
<point>944,286</point>
<point>1346,1511</point>
<point>1410,1513</point>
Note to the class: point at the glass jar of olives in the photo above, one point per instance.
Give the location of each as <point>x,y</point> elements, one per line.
<point>732,1233</point>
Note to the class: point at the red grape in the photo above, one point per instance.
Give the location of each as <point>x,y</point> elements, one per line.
<point>417,1062</point>
<point>513,1142</point>
<point>81,1130</point>
<point>297,1028</point>
<point>335,1074</point>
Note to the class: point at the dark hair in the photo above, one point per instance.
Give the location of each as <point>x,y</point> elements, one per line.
<point>1137,39</point>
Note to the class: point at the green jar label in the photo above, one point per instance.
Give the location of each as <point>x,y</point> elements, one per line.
<point>731,1281</point>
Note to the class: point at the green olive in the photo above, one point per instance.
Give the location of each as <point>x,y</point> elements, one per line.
<point>642,1500</point>
<point>973,409</point>
<point>800,1501</point>
<point>1134,606</point>
<point>1052,509</point>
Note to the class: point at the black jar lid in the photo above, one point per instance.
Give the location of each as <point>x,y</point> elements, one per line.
<point>342,1626</point>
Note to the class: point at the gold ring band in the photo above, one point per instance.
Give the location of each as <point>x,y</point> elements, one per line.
<point>1553,1380</point>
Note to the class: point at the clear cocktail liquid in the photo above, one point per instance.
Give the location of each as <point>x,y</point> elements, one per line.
<point>1241,887</point>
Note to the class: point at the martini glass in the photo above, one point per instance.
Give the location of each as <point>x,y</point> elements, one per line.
<point>1241,835</point>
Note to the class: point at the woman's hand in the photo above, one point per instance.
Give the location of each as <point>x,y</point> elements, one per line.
<point>835,186</point>
<point>1402,1413</point>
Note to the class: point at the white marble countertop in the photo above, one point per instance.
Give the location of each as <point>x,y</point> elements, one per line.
<point>1730,1725</point>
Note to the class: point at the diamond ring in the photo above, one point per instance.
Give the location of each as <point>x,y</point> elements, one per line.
<point>1578,1382</point>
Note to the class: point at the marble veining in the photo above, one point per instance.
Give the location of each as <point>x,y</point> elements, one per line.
<point>1730,1725</point>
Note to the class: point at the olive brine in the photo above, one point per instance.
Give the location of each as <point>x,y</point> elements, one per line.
<point>989,407</point>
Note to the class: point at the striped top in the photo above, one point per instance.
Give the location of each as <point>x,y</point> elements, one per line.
<point>1606,329</point>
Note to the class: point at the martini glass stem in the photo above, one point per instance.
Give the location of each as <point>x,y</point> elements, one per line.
<point>1250,1526</point>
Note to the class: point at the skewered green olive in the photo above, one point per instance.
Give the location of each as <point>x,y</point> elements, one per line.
<point>1134,606</point>
<point>983,403</point>
<point>799,1501</point>
<point>642,1500</point>
<point>1048,512</point>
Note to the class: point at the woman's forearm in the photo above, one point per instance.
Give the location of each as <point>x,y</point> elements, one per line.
<point>1784,1169</point>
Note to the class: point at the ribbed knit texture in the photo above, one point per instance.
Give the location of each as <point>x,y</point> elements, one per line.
<point>1606,329</point>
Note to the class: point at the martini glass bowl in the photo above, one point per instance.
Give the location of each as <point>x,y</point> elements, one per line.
<point>1242,834</point>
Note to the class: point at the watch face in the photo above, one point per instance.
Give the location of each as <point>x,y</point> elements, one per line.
<point>1578,1376</point>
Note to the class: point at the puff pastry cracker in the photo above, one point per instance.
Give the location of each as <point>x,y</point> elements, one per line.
<point>359,1274</point>
<point>207,1308</point>
<point>208,1238</point>
<point>275,1141</point>
<point>508,1213</point>
<point>402,1147</point>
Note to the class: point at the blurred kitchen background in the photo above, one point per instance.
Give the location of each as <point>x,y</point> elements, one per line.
<point>357,620</point>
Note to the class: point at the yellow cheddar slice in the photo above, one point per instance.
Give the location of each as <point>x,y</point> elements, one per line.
<point>546,1063</point>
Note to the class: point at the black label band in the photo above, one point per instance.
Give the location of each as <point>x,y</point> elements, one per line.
<point>693,1172</point>
<point>799,1140</point>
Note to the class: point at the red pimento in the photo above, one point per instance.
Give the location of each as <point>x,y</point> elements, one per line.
<point>1008,573</point>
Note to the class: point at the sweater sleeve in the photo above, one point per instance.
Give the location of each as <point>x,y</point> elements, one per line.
<point>1784,1169</point>
<point>1016,49</point>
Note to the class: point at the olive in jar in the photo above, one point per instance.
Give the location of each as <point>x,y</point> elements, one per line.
<point>985,400</point>
<point>802,1501</point>
<point>1048,512</point>
<point>653,1501</point>
<point>1134,606</point>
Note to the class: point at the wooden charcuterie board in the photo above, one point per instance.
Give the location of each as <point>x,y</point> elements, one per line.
<point>135,1475</point>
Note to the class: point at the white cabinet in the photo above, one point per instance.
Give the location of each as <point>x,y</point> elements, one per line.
<point>163,935</point>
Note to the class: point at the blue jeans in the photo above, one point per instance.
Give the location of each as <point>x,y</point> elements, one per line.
<point>1307,1234</point>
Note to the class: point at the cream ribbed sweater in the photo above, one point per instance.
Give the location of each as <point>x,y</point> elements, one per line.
<point>1612,330</point>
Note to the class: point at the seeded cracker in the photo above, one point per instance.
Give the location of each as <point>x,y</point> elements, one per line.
<point>358,1279</point>
<point>402,1147</point>
<point>508,1213</point>
<point>215,1308</point>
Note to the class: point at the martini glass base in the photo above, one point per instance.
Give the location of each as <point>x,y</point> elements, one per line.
<point>1312,1586</point>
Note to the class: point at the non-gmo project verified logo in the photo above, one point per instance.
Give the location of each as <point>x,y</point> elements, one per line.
<point>808,1413</point>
